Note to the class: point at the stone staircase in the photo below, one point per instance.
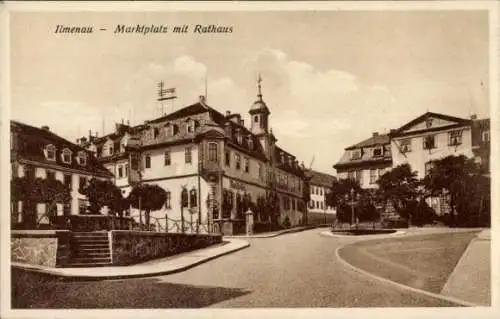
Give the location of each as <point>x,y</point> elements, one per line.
<point>89,249</point>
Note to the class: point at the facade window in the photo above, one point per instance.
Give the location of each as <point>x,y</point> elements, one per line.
<point>187,155</point>
<point>227,158</point>
<point>428,168</point>
<point>312,189</point>
<point>147,161</point>
<point>247,165</point>
<point>321,191</point>
<point>184,198</point>
<point>126,170</point>
<point>67,181</point>
<point>237,159</point>
<point>120,171</point>
<point>256,119</point>
<point>193,199</point>
<point>212,152</point>
<point>166,158</point>
<point>66,156</point>
<point>293,204</point>
<point>250,142</point>
<point>455,138</point>
<point>355,154</point>
<point>350,175</point>
<point>373,176</point>
<point>322,207</point>
<point>261,171</point>
<point>51,152</point>
<point>110,150</point>
<point>485,136</point>
<point>359,177</point>
<point>168,200</point>
<point>377,152</point>
<point>381,172</point>
<point>51,175</point>
<point>429,142</point>
<point>82,181</point>
<point>406,145</point>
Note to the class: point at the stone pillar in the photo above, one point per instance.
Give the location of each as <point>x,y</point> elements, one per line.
<point>249,222</point>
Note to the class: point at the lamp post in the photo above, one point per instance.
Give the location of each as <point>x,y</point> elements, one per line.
<point>352,206</point>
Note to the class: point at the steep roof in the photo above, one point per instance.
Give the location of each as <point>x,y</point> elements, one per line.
<point>29,144</point>
<point>321,179</point>
<point>380,139</point>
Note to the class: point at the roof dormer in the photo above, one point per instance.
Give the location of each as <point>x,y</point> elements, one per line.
<point>50,152</point>
<point>82,158</point>
<point>66,156</point>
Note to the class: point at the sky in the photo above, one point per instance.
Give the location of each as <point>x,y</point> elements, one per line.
<point>329,78</point>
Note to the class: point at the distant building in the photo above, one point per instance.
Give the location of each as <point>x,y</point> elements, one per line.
<point>320,186</point>
<point>210,158</point>
<point>481,143</point>
<point>366,161</point>
<point>39,153</point>
<point>428,138</point>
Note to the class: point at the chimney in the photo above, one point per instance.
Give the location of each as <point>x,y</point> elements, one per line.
<point>45,128</point>
<point>473,117</point>
<point>242,122</point>
<point>83,140</point>
<point>392,131</point>
<point>202,98</point>
<point>375,134</point>
<point>235,118</point>
<point>228,113</point>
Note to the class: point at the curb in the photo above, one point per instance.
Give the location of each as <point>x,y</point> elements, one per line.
<point>379,236</point>
<point>289,231</point>
<point>399,285</point>
<point>67,277</point>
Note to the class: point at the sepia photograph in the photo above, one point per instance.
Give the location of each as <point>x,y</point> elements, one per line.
<point>246,156</point>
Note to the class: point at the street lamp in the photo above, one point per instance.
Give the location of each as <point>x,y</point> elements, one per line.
<point>352,206</point>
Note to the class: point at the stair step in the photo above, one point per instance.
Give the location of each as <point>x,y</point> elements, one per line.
<point>78,265</point>
<point>87,260</point>
<point>90,238</point>
<point>92,254</point>
<point>94,247</point>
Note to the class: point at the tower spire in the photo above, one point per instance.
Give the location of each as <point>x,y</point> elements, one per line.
<point>259,87</point>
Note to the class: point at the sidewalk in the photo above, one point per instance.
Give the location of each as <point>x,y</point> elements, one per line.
<point>276,233</point>
<point>156,267</point>
<point>471,278</point>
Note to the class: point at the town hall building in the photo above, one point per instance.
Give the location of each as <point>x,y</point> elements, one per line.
<point>209,164</point>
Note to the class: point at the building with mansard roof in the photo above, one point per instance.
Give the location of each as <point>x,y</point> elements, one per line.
<point>211,159</point>
<point>40,153</point>
<point>366,161</point>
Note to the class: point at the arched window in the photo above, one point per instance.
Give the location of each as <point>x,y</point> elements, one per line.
<point>147,161</point>
<point>184,198</point>
<point>193,198</point>
<point>213,152</point>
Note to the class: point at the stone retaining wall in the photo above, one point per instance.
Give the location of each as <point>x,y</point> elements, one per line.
<point>48,248</point>
<point>130,247</point>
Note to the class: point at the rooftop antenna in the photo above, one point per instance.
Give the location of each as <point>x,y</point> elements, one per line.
<point>165,95</point>
<point>206,87</point>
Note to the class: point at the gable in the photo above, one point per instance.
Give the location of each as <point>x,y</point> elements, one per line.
<point>431,121</point>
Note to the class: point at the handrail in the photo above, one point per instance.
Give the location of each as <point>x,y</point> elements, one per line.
<point>167,224</point>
